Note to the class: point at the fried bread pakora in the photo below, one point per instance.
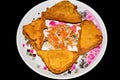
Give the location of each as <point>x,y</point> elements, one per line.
<point>90,37</point>
<point>34,32</point>
<point>63,11</point>
<point>58,61</point>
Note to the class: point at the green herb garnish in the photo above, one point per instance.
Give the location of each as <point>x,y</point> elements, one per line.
<point>74,36</point>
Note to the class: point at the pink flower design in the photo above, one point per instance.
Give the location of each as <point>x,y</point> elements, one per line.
<point>73,67</point>
<point>45,68</point>
<point>73,28</point>
<point>31,51</point>
<point>23,45</point>
<point>53,23</point>
<point>89,61</point>
<point>90,16</point>
<point>91,56</point>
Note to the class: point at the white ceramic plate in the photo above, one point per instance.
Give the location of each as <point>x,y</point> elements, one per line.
<point>84,63</point>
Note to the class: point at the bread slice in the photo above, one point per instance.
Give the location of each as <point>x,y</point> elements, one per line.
<point>63,11</point>
<point>90,37</point>
<point>34,32</point>
<point>58,61</point>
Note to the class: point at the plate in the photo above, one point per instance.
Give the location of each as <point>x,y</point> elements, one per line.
<point>84,64</point>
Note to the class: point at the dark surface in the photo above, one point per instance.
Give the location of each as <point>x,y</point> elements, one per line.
<point>19,70</point>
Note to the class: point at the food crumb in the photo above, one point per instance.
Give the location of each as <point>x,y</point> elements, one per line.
<point>34,55</point>
<point>33,18</point>
<point>28,50</point>
<point>69,72</point>
<point>38,13</point>
<point>38,66</point>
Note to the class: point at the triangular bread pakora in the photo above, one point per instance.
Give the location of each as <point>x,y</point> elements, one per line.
<point>34,32</point>
<point>63,11</point>
<point>58,61</point>
<point>90,37</point>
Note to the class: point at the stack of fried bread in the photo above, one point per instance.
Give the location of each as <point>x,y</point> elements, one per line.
<point>59,61</point>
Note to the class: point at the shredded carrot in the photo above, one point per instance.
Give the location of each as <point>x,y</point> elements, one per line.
<point>62,46</point>
<point>77,35</point>
<point>56,40</point>
<point>70,42</point>
<point>64,34</point>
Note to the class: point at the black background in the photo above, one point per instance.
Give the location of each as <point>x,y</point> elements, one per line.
<point>14,66</point>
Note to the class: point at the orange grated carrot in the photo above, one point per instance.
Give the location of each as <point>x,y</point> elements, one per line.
<point>70,42</point>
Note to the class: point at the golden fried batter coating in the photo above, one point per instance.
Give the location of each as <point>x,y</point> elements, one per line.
<point>58,61</point>
<point>34,33</point>
<point>63,11</point>
<point>90,37</point>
